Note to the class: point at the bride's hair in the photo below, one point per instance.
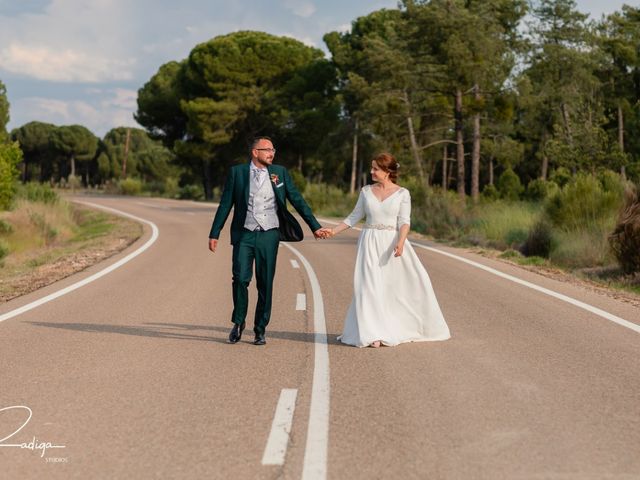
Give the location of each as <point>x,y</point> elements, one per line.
<point>388,163</point>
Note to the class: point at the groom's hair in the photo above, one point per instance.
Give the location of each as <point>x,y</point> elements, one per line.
<point>256,140</point>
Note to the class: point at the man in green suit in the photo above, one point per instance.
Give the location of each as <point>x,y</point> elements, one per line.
<point>258,192</point>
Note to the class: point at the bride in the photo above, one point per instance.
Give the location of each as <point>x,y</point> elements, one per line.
<point>393,300</point>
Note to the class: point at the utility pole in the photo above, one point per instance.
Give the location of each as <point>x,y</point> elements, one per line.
<point>126,153</point>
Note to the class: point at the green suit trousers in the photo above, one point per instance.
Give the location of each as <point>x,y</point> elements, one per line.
<point>261,248</point>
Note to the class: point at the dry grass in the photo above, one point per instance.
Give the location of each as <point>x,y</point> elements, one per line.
<point>48,242</point>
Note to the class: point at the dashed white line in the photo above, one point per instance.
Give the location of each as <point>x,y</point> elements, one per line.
<point>95,276</point>
<point>301,302</point>
<point>315,453</point>
<point>276,449</point>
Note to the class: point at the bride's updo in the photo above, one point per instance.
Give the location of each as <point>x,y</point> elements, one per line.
<point>388,164</point>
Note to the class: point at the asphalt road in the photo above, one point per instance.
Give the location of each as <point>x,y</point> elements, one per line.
<point>133,376</point>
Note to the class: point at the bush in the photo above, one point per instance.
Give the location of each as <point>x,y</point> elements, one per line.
<point>298,179</point>
<point>10,157</point>
<point>579,249</point>
<point>5,227</point>
<point>329,200</point>
<point>625,239</point>
<point>4,248</point>
<point>490,192</point>
<point>539,241</point>
<point>502,224</point>
<point>583,204</point>
<point>191,192</point>
<point>130,186</point>
<point>440,213</point>
<point>539,189</point>
<point>38,192</point>
<point>612,182</point>
<point>509,185</point>
<point>560,176</point>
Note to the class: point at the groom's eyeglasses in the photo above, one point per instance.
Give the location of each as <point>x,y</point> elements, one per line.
<point>270,150</point>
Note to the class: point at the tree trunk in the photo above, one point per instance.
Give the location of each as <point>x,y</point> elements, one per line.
<point>544,172</point>
<point>567,123</point>
<point>459,144</point>
<point>354,160</point>
<point>491,171</point>
<point>415,151</point>
<point>623,172</point>
<point>475,153</point>
<point>73,166</point>
<point>126,153</point>
<point>444,167</point>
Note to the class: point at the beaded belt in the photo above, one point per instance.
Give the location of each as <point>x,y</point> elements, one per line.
<point>379,226</point>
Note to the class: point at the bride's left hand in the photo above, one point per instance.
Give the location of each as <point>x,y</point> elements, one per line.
<point>397,251</point>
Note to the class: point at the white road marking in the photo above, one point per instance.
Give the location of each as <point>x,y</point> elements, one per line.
<point>315,453</point>
<point>546,291</point>
<point>301,302</point>
<point>585,306</point>
<point>294,263</point>
<point>95,276</point>
<point>276,448</point>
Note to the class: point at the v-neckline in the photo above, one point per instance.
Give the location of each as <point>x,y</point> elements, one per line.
<point>387,197</point>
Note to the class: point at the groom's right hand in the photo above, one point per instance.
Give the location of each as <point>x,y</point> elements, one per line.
<point>213,243</point>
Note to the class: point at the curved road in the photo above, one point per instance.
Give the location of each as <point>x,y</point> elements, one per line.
<point>132,375</point>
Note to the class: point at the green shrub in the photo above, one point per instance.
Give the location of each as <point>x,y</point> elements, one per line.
<point>191,192</point>
<point>4,248</point>
<point>298,179</point>
<point>560,176</point>
<point>10,157</point>
<point>539,241</point>
<point>130,186</point>
<point>539,189</point>
<point>490,193</point>
<point>329,200</point>
<point>5,227</point>
<point>583,204</point>
<point>171,188</point>
<point>509,185</point>
<point>440,213</point>
<point>612,182</point>
<point>582,248</point>
<point>38,192</point>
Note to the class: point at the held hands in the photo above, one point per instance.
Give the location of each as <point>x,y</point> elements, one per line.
<point>323,233</point>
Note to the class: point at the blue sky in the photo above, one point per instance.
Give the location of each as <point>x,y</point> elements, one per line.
<point>82,61</point>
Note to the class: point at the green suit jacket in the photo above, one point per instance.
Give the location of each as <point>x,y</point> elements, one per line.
<point>236,195</point>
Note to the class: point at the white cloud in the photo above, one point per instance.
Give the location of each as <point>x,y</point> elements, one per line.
<point>69,65</point>
<point>301,8</point>
<point>113,111</point>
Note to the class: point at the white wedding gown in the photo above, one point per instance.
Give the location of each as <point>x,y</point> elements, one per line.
<point>393,300</point>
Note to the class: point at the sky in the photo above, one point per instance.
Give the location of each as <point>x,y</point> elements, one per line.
<point>82,61</point>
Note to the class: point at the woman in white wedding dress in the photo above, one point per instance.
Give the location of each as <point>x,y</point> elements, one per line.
<point>393,300</point>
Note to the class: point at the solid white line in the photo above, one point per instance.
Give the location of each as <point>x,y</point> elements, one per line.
<point>301,302</point>
<point>315,453</point>
<point>546,291</point>
<point>276,448</point>
<point>585,306</point>
<point>95,276</point>
<point>294,263</point>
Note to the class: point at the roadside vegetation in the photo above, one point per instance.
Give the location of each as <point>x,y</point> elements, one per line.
<point>44,238</point>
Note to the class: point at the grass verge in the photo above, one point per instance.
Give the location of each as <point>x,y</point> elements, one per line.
<point>46,242</point>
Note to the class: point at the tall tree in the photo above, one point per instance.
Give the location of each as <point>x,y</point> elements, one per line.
<point>4,111</point>
<point>77,143</point>
<point>34,138</point>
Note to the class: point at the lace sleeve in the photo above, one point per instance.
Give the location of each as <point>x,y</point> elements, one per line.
<point>358,212</point>
<point>404,215</point>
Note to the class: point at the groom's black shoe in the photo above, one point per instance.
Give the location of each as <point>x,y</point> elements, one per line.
<point>236,333</point>
<point>259,340</point>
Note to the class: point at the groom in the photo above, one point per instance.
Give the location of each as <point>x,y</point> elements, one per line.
<point>258,192</point>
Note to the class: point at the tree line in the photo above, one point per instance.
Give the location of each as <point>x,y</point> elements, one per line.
<point>464,92</point>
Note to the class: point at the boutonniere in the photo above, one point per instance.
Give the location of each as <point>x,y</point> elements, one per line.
<point>274,178</point>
